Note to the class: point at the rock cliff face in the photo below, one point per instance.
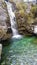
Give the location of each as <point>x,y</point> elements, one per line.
<point>1,0</point>
<point>5,26</point>
<point>16,1</point>
<point>26,18</point>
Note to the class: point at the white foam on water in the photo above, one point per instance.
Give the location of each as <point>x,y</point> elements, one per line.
<point>17,37</point>
<point>22,63</point>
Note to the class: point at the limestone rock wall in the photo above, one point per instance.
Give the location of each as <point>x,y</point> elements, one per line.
<point>26,18</point>
<point>1,0</point>
<point>16,1</point>
<point>5,26</point>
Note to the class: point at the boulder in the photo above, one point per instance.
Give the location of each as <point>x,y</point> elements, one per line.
<point>0,50</point>
<point>16,1</point>
<point>5,25</point>
<point>26,21</point>
<point>1,0</point>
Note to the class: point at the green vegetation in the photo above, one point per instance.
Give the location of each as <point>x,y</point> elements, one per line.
<point>25,19</point>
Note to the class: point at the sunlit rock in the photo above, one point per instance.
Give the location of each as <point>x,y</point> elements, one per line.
<point>1,0</point>
<point>16,1</point>
<point>26,21</point>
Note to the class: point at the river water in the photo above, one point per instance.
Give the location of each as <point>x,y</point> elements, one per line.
<point>20,52</point>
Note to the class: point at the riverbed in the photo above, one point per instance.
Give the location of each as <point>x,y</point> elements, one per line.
<point>20,52</point>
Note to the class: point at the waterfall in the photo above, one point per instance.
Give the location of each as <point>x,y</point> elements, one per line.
<point>13,21</point>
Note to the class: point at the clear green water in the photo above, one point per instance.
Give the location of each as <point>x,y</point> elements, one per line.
<point>20,52</point>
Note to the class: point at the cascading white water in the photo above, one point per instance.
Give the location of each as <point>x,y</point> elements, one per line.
<point>13,21</point>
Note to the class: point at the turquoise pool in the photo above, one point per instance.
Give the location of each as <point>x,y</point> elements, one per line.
<point>20,52</point>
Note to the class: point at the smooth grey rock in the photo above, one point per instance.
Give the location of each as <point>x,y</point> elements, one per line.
<point>0,50</point>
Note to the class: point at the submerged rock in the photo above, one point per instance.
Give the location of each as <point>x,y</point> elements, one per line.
<point>5,25</point>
